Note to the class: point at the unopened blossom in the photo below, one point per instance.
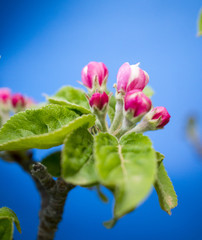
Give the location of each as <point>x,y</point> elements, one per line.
<point>5,95</point>
<point>162,115</point>
<point>29,102</point>
<point>137,102</point>
<point>18,100</point>
<point>131,77</point>
<point>94,71</point>
<point>99,100</point>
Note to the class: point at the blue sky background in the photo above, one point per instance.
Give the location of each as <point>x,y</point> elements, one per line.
<point>45,44</point>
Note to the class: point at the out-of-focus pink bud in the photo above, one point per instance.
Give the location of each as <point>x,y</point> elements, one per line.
<point>18,100</point>
<point>131,77</point>
<point>137,102</point>
<point>99,100</point>
<point>5,95</point>
<point>29,102</point>
<point>162,114</point>
<point>93,71</point>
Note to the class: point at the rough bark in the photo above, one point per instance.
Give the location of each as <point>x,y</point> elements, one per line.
<point>57,192</point>
<point>53,192</point>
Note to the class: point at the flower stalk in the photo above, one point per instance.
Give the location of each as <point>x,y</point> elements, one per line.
<point>118,118</point>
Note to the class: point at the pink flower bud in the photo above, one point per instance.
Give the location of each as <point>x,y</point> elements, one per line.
<point>5,95</point>
<point>92,71</point>
<point>99,100</point>
<point>131,77</point>
<point>137,102</point>
<point>161,112</point>
<point>18,100</point>
<point>29,102</point>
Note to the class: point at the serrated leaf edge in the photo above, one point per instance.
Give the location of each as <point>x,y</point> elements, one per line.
<point>87,116</point>
<point>162,195</point>
<point>68,104</point>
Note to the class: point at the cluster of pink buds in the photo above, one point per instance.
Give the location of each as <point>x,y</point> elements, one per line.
<point>12,103</point>
<point>132,105</point>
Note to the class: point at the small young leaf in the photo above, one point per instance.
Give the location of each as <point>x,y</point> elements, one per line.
<point>52,162</point>
<point>128,166</point>
<point>41,128</point>
<point>7,217</point>
<point>148,91</point>
<point>77,159</point>
<point>200,24</point>
<point>111,108</point>
<point>73,96</point>
<point>165,190</point>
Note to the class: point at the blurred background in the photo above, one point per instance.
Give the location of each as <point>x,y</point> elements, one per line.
<point>45,44</point>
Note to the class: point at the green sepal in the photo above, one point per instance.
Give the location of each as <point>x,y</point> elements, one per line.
<point>77,158</point>
<point>41,128</point>
<point>165,190</point>
<point>127,166</point>
<point>7,218</point>
<point>53,163</point>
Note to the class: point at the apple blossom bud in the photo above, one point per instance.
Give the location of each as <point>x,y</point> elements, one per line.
<point>94,75</point>
<point>137,103</point>
<point>131,77</point>
<point>18,100</point>
<point>5,95</point>
<point>29,102</point>
<point>162,115</point>
<point>99,100</point>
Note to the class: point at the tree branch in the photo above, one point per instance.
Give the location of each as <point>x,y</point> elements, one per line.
<point>57,191</point>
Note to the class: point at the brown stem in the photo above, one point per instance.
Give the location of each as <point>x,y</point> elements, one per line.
<point>57,191</point>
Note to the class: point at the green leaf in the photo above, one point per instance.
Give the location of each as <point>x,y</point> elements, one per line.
<point>111,108</point>
<point>7,217</point>
<point>111,223</point>
<point>148,91</point>
<point>41,128</point>
<point>128,166</point>
<point>6,229</point>
<point>165,190</point>
<point>71,106</point>
<point>159,157</point>
<point>52,162</point>
<point>72,98</point>
<point>77,158</point>
<point>200,24</point>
